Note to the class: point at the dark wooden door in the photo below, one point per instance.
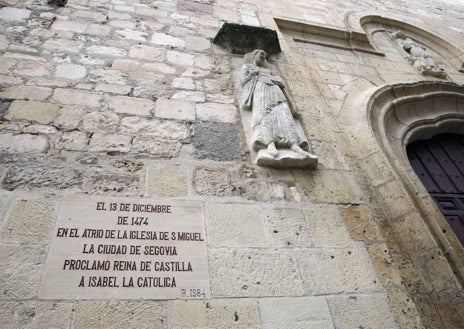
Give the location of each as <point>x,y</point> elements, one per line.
<point>439,163</point>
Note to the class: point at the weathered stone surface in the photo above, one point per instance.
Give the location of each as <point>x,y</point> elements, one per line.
<point>131,105</point>
<point>174,109</point>
<point>341,270</point>
<point>361,311</point>
<point>100,121</point>
<point>166,129</point>
<point>216,141</point>
<point>214,314</point>
<point>108,76</point>
<point>70,71</point>
<point>383,262</point>
<point>146,52</point>
<point>63,45</point>
<point>205,8</point>
<point>263,191</point>
<point>77,97</point>
<point>29,221</point>
<point>106,51</point>
<point>287,228</point>
<point>27,93</point>
<point>14,14</point>
<point>20,270</point>
<point>360,223</point>
<point>253,272</point>
<point>74,26</point>
<point>167,40</point>
<point>295,313</point>
<point>197,43</point>
<point>162,181</point>
<point>39,129</point>
<point>23,143</point>
<point>212,182</point>
<point>226,223</point>
<point>327,227</point>
<point>110,143</point>
<point>113,184</point>
<point>217,112</point>
<point>39,172</point>
<point>158,147</point>
<point>118,314</point>
<point>33,111</point>
<point>31,315</point>
<point>179,58</point>
<point>73,141</point>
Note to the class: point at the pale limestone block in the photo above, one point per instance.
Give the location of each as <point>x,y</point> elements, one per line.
<point>360,223</point>
<point>183,83</point>
<point>254,272</point>
<point>108,76</point>
<point>6,64</point>
<point>3,42</point>
<point>204,62</point>
<point>295,313</point>
<point>213,314</point>
<point>160,148</point>
<point>39,129</point>
<point>235,225</point>
<point>129,9</point>
<point>151,12</point>
<point>90,15</point>
<point>361,311</point>
<point>174,109</point>
<point>77,97</point>
<point>73,26</point>
<point>98,29</point>
<point>123,24</point>
<point>167,40</point>
<point>20,270</point>
<point>9,14</point>
<point>11,80</point>
<point>195,73</point>
<point>329,155</point>
<point>73,141</point>
<point>377,169</point>
<point>338,270</point>
<point>113,89</point>
<point>26,92</point>
<point>125,64</point>
<point>131,105</point>
<point>192,96</point>
<point>24,143</point>
<point>286,228</point>
<point>147,53</point>
<point>32,68</point>
<point>29,221</point>
<point>107,51</point>
<point>118,15</point>
<point>197,43</point>
<point>331,186</point>
<point>381,258</point>
<point>69,116</point>
<point>164,181</point>
<point>63,45</point>
<point>166,129</point>
<point>35,314</point>
<point>179,58</point>
<point>25,57</point>
<point>396,199</point>
<point>33,111</point>
<point>118,314</point>
<point>132,34</point>
<point>70,71</point>
<point>159,67</point>
<point>327,227</point>
<point>212,182</point>
<point>217,112</point>
<point>110,143</point>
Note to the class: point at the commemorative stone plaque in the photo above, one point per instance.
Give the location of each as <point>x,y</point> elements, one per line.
<point>120,248</point>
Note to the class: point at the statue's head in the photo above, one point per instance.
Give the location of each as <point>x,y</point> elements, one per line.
<point>259,57</point>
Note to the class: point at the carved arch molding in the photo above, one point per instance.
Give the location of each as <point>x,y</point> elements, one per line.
<point>404,113</point>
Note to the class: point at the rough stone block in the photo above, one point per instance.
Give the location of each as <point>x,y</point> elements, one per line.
<point>212,182</point>
<point>197,43</point>
<point>70,71</point>
<point>110,143</point>
<point>217,112</point>
<point>361,311</point>
<point>164,129</point>
<point>131,105</point>
<point>72,141</point>
<point>235,225</point>
<point>167,40</point>
<point>113,89</point>
<point>341,270</point>
<point>31,315</point>
<point>119,314</point>
<point>253,272</point>
<point>183,83</point>
<point>108,76</point>
<point>264,191</point>
<point>29,221</point>
<point>100,121</point>
<point>214,314</point>
<point>20,271</point>
<point>32,111</point>
<point>287,228</point>
<point>73,26</point>
<point>77,97</point>
<point>327,227</point>
<point>384,264</point>
<point>159,148</point>
<point>27,93</point>
<point>216,141</point>
<point>360,223</point>
<point>23,143</point>
<point>174,109</point>
<point>295,313</point>
<point>113,185</point>
<point>179,58</point>
<point>63,45</point>
<point>205,8</point>
<point>14,14</point>
<point>164,181</point>
<point>147,53</point>
<point>106,51</point>
<point>40,172</point>
<point>396,199</point>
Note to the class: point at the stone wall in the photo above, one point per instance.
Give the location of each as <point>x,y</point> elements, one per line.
<point>132,99</point>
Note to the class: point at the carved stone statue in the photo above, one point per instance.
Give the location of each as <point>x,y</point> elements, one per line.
<point>277,136</point>
<point>418,56</point>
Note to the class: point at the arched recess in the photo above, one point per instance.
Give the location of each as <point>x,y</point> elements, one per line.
<point>403,113</point>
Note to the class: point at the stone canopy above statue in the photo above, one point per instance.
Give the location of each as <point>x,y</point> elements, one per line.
<point>242,39</point>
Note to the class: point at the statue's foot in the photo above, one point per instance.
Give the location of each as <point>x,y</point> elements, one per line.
<point>296,148</point>
<point>272,150</point>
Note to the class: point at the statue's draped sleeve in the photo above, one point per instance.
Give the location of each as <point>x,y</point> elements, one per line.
<point>248,81</point>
